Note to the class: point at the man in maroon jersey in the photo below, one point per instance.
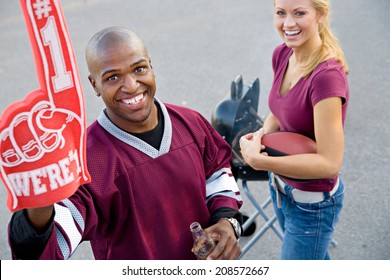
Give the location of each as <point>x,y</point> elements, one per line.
<point>155,169</point>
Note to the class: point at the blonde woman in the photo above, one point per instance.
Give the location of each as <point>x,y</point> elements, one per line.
<point>309,95</point>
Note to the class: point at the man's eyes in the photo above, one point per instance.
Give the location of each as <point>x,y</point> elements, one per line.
<point>112,78</point>
<point>140,69</point>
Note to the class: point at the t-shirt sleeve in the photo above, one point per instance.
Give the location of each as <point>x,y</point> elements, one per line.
<point>330,82</point>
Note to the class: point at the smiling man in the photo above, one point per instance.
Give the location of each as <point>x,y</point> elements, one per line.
<point>155,169</point>
<point>122,74</point>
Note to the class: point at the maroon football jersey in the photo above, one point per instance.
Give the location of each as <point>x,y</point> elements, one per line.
<point>141,200</point>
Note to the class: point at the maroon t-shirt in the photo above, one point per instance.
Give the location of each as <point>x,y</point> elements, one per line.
<point>294,110</point>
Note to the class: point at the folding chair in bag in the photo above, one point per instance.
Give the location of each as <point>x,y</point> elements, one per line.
<point>233,117</point>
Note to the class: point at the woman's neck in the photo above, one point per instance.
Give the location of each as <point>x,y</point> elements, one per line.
<point>301,55</point>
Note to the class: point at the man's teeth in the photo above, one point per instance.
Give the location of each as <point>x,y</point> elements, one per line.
<point>290,33</point>
<point>133,101</point>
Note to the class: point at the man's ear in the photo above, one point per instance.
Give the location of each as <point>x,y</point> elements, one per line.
<point>93,83</point>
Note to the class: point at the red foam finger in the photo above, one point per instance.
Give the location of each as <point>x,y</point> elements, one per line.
<point>9,155</point>
<point>42,138</point>
<point>55,62</point>
<point>26,140</point>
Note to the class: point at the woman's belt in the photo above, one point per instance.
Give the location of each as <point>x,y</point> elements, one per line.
<point>302,196</point>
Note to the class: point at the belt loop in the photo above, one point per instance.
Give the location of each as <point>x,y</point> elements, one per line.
<point>273,181</point>
<point>326,195</point>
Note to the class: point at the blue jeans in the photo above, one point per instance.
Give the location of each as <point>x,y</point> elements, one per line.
<point>308,228</point>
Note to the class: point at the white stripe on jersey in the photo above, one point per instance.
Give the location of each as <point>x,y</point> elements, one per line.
<point>230,194</point>
<point>62,244</point>
<point>221,181</point>
<point>64,218</point>
<point>75,213</point>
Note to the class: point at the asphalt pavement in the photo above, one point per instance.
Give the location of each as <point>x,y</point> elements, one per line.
<point>197,49</point>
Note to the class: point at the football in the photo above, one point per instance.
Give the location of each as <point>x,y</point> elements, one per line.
<point>283,143</point>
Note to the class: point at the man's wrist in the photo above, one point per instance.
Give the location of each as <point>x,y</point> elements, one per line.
<point>235,225</point>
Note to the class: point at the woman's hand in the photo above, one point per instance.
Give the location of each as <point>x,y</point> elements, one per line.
<point>250,145</point>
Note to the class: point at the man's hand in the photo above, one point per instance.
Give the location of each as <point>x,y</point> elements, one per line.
<point>227,247</point>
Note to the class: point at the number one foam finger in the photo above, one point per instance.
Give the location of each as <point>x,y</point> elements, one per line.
<point>42,138</point>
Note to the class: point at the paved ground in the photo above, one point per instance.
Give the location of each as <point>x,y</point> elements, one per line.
<point>198,48</point>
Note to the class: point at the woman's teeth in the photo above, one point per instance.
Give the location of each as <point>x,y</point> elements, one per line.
<point>291,33</point>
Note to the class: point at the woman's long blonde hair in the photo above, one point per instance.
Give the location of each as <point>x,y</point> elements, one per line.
<point>330,47</point>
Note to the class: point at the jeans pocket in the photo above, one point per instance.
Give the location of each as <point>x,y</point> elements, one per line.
<point>301,219</point>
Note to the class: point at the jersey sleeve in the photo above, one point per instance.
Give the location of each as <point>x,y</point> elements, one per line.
<point>221,187</point>
<point>64,233</point>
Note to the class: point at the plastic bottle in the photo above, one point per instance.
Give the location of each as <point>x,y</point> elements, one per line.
<point>203,245</point>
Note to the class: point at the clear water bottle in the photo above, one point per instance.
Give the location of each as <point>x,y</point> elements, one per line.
<point>203,245</point>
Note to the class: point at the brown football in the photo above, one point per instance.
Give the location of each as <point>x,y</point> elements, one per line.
<point>283,143</point>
